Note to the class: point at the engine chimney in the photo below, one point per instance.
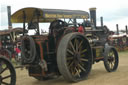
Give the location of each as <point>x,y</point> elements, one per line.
<point>93,15</point>
<point>9,17</point>
<point>126,29</point>
<point>117,29</point>
<point>101,19</point>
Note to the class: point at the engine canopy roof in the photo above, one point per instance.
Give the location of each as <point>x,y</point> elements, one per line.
<point>47,15</point>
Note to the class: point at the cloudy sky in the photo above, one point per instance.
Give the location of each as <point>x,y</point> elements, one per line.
<point>113,11</point>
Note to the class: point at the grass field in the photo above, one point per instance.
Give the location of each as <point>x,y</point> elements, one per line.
<point>98,75</point>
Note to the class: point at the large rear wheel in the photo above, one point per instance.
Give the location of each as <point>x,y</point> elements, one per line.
<point>74,57</point>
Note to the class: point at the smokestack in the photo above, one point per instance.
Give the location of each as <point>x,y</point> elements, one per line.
<point>126,29</point>
<point>117,29</point>
<point>9,17</point>
<point>101,19</point>
<point>93,15</point>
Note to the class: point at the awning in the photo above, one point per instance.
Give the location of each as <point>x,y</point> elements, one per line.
<point>47,15</point>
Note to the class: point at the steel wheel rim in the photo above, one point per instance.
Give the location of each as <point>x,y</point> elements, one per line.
<point>77,59</point>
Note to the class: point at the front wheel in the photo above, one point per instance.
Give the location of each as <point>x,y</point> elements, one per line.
<point>74,58</point>
<point>7,72</point>
<point>111,60</point>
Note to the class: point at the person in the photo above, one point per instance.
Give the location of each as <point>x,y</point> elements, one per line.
<point>18,52</point>
<point>81,29</point>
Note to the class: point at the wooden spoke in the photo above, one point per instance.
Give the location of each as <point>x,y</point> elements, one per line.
<point>82,59</point>
<point>70,64</point>
<point>70,52</point>
<point>113,60</point>
<point>81,67</point>
<point>4,83</point>
<point>70,58</point>
<point>111,65</point>
<point>71,71</point>
<point>76,44</point>
<point>82,55</point>
<point>80,48</point>
<point>6,77</point>
<point>3,70</point>
<point>77,72</point>
<point>80,45</point>
<point>82,63</point>
<point>72,46</point>
<point>83,51</point>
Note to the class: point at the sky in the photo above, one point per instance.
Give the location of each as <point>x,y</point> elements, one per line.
<point>113,11</point>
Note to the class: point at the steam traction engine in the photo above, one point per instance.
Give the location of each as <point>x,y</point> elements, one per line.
<point>119,40</point>
<point>69,49</point>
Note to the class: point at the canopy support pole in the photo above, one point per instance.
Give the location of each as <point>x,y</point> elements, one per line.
<point>38,15</point>
<point>24,20</point>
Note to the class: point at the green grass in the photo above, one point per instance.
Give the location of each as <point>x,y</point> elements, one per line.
<point>123,53</point>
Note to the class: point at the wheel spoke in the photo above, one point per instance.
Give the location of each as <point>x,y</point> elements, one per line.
<point>76,44</point>
<point>5,83</point>
<point>72,70</point>
<point>70,58</point>
<point>111,65</point>
<point>82,59</point>
<point>80,45</point>
<point>82,63</point>
<point>70,52</point>
<point>72,46</point>
<point>83,51</point>
<point>82,55</point>
<point>3,70</point>
<point>70,64</point>
<point>77,72</point>
<point>81,67</point>
<point>6,77</point>
<point>80,48</point>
